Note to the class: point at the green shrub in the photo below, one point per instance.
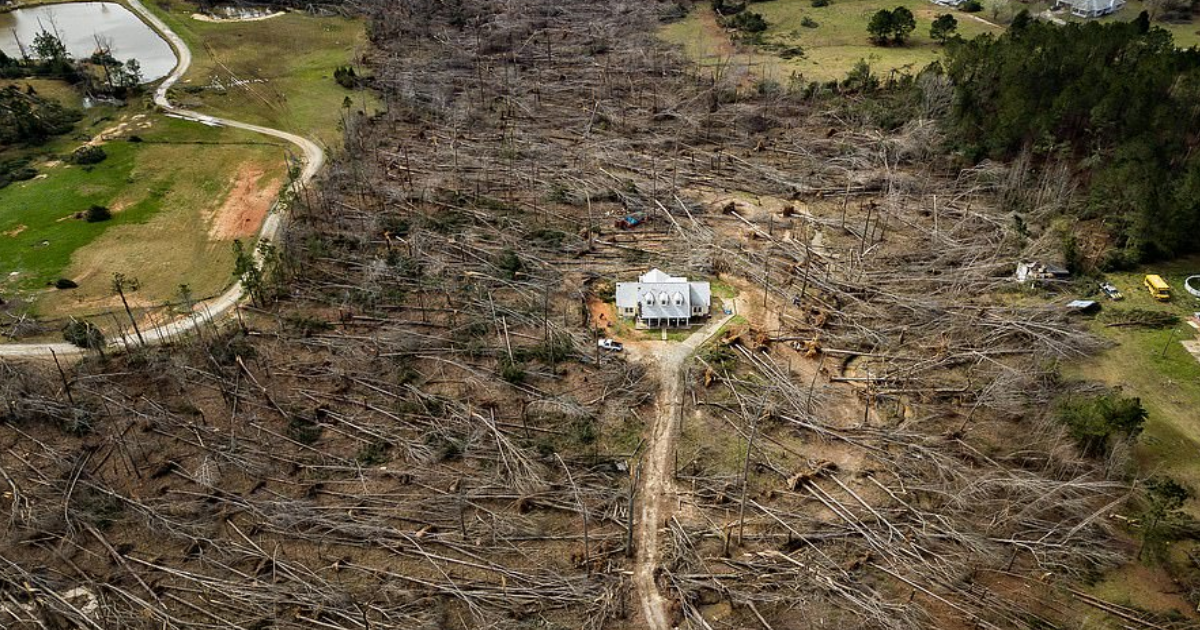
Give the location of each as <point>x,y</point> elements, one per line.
<point>88,155</point>
<point>307,325</point>
<point>1094,421</point>
<point>817,4</point>
<point>808,22</point>
<point>1164,500</point>
<point>304,430</point>
<point>510,263</point>
<point>747,22</point>
<point>374,454</point>
<point>346,77</point>
<point>584,432</point>
<point>722,359</point>
<point>83,334</point>
<point>512,372</point>
<point>971,6</point>
<point>97,214</point>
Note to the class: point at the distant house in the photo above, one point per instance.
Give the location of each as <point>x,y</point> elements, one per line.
<point>658,300</point>
<point>1091,8</point>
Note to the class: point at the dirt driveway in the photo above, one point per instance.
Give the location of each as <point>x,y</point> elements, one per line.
<point>656,479</point>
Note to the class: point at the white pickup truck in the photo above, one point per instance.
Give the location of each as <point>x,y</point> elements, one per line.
<point>610,345</point>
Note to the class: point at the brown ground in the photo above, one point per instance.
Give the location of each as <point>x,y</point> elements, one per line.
<point>244,210</point>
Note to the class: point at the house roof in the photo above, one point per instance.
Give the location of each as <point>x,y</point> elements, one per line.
<point>1093,6</point>
<point>649,291</point>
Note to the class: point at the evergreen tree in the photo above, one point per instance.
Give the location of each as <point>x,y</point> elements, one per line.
<point>49,47</point>
<point>903,24</point>
<point>880,27</point>
<point>943,28</point>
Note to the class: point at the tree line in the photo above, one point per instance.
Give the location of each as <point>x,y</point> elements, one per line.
<point>1117,101</point>
<point>101,74</point>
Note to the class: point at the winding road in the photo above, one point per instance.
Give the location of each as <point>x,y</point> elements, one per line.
<point>216,308</point>
<point>656,477</point>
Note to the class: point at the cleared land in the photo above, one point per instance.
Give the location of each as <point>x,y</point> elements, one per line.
<point>162,192</point>
<point>831,48</point>
<point>277,72</point>
<point>1154,366</point>
<point>183,194</point>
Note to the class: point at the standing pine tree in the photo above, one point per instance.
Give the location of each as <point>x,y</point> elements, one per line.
<point>880,27</point>
<point>903,24</point>
<point>944,28</point>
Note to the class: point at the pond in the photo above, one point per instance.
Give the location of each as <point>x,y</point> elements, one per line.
<point>78,25</point>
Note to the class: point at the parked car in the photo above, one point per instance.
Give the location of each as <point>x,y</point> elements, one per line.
<point>610,345</point>
<point>1111,291</point>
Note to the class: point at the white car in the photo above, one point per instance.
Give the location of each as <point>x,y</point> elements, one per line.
<point>610,345</point>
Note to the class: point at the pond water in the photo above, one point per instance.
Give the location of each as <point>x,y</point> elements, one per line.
<point>79,23</point>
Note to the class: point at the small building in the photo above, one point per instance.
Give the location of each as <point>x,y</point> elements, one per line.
<point>658,300</point>
<point>1091,8</point>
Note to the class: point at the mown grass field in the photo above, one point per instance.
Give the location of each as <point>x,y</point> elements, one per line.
<point>162,191</point>
<point>1154,366</point>
<point>831,48</point>
<point>288,62</point>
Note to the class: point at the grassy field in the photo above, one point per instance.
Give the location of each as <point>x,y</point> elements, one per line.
<point>169,192</point>
<point>1154,366</point>
<point>163,192</point>
<point>832,48</point>
<point>288,62</point>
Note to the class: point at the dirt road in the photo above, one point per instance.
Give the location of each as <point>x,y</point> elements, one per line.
<point>656,478</point>
<point>314,159</point>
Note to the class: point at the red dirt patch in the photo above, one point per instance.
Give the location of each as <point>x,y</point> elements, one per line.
<point>246,206</point>
<point>716,34</point>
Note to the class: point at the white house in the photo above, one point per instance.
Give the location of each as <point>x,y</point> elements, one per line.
<point>658,300</point>
<point>1092,8</point>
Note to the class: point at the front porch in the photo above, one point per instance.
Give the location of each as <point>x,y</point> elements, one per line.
<point>656,323</point>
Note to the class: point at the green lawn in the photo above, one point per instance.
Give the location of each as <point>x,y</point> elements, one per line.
<point>162,192</point>
<point>165,191</point>
<point>1154,366</point>
<point>833,47</point>
<point>288,60</point>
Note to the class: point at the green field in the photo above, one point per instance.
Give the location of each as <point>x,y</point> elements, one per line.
<point>165,192</point>
<point>162,192</point>
<point>1154,366</point>
<point>831,48</point>
<point>287,62</point>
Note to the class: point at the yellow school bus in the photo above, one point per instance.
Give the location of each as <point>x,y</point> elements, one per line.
<point>1159,289</point>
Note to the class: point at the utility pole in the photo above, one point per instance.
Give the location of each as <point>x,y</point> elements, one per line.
<point>1170,338</point>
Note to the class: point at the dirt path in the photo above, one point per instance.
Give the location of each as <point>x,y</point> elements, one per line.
<point>656,479</point>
